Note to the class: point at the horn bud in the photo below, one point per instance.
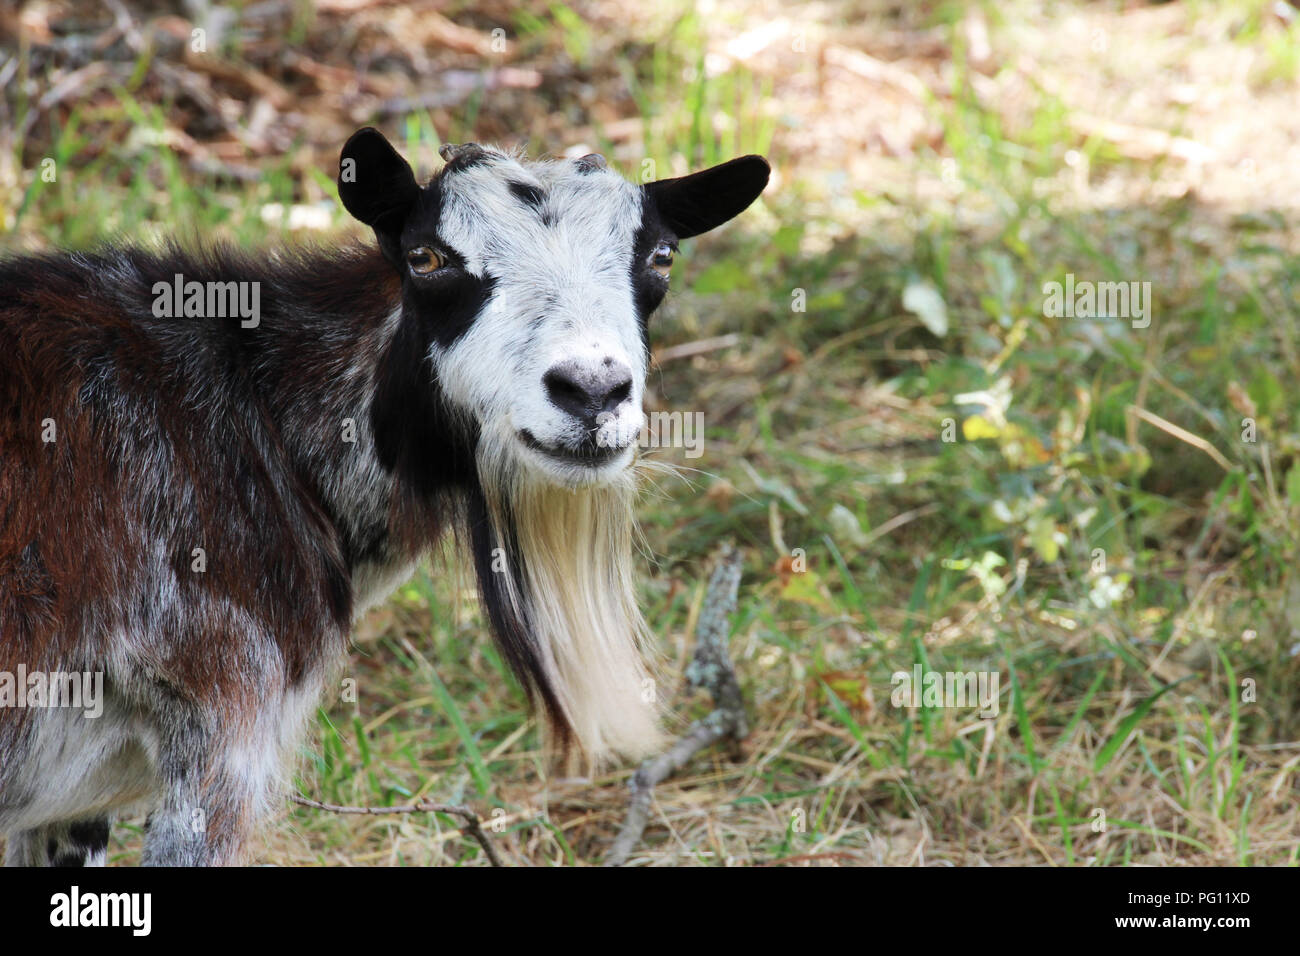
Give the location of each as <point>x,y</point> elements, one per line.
<point>453,151</point>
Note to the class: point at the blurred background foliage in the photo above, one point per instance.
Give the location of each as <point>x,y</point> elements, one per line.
<point>921,462</point>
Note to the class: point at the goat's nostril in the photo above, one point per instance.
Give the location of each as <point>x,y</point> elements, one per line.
<point>617,395</point>
<point>563,390</point>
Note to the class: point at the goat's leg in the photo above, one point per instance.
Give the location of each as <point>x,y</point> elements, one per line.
<point>81,843</point>
<point>205,819</point>
<point>215,785</point>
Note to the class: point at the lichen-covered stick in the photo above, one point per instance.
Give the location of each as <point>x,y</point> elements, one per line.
<point>710,669</point>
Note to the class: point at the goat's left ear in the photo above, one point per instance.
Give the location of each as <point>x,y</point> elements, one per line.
<point>705,200</point>
<point>377,185</point>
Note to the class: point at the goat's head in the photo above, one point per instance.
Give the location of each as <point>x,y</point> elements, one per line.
<point>536,282</point>
<point>526,293</point>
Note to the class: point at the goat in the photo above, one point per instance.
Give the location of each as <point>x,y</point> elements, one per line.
<point>211,464</point>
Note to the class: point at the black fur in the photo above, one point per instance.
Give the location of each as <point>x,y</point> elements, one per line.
<point>528,195</point>
<point>512,634</point>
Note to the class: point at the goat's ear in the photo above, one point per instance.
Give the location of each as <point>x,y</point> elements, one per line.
<point>376,184</point>
<point>705,200</point>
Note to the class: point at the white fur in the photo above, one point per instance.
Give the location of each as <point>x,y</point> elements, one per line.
<point>578,593</point>
<point>563,292</point>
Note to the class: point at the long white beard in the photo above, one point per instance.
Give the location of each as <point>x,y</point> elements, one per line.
<point>571,583</point>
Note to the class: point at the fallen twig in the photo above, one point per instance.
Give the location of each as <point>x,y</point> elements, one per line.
<point>472,826</point>
<point>710,669</point>
<point>701,347</point>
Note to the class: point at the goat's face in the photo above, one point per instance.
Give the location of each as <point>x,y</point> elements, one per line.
<point>532,285</point>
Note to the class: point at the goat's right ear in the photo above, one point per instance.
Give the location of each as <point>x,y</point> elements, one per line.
<point>377,185</point>
<point>705,200</point>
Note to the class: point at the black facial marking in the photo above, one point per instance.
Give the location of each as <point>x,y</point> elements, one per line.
<point>528,195</point>
<point>416,434</point>
<point>448,306</point>
<point>648,287</point>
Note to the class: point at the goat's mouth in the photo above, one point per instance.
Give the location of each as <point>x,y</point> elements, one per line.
<point>587,454</point>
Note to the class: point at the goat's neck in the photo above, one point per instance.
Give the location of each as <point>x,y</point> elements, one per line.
<point>328,373</point>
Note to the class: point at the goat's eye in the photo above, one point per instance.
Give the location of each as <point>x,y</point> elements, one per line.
<point>661,261</point>
<point>422,260</point>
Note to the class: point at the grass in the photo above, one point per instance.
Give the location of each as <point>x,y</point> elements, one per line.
<point>1020,494</point>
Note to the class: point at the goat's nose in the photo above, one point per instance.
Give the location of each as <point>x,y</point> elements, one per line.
<point>586,390</point>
